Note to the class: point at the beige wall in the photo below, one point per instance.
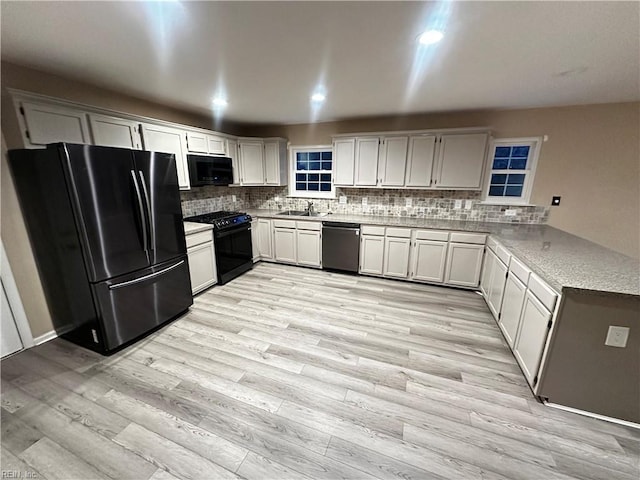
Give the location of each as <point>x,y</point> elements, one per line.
<point>592,160</point>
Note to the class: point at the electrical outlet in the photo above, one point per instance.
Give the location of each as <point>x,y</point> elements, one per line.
<point>275,199</point>
<point>617,336</point>
<point>343,200</point>
<point>457,205</point>
<point>468,204</point>
<point>233,198</point>
<point>364,201</point>
<point>510,212</point>
<point>408,202</point>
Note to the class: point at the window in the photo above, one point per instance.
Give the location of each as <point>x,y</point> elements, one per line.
<point>311,172</point>
<point>513,164</point>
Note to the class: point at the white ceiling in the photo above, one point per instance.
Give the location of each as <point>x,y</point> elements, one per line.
<point>267,57</point>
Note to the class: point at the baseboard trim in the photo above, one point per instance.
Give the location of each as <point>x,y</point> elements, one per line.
<point>45,337</point>
<point>626,423</point>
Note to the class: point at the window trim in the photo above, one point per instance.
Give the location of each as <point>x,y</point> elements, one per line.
<point>530,172</point>
<point>293,193</point>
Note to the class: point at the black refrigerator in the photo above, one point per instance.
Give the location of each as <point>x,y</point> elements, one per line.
<point>105,225</point>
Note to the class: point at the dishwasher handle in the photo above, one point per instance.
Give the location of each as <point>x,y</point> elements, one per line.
<point>341,226</point>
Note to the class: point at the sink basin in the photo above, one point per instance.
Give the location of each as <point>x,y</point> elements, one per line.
<point>297,213</point>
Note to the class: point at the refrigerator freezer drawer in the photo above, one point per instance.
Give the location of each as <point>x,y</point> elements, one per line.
<point>132,305</point>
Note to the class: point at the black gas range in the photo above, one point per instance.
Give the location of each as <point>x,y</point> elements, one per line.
<point>231,240</point>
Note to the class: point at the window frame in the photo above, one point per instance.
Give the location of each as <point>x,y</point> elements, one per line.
<point>293,193</point>
<point>534,152</point>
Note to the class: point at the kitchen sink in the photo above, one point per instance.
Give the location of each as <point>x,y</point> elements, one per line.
<point>297,213</point>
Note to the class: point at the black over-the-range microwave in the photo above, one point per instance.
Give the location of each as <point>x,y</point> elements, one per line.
<point>207,170</point>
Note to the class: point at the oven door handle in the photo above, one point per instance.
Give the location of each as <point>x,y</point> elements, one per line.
<point>226,233</point>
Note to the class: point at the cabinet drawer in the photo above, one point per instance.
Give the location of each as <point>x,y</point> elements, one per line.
<point>492,244</point>
<point>284,223</point>
<point>317,226</point>
<point>503,254</point>
<point>371,230</point>
<point>438,235</point>
<point>542,291</point>
<point>199,238</point>
<point>399,232</point>
<point>517,268</point>
<point>477,238</point>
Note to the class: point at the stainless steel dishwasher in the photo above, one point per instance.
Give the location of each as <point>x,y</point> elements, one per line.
<point>340,246</point>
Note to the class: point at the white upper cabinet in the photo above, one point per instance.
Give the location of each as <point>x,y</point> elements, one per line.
<point>420,161</point>
<point>216,145</point>
<point>461,161</point>
<point>232,152</point>
<point>251,160</point>
<point>51,123</point>
<point>344,155</point>
<point>203,143</point>
<point>115,132</point>
<point>275,161</point>
<point>158,138</point>
<point>392,162</point>
<point>366,171</point>
<point>197,142</point>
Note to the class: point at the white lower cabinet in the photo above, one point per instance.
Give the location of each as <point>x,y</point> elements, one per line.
<point>464,262</point>
<point>254,241</point>
<point>264,238</point>
<point>284,244</point>
<point>396,257</point>
<point>509,317</point>
<point>429,260</point>
<point>496,286</point>
<point>308,247</point>
<point>531,336</point>
<point>202,260</point>
<point>371,254</point>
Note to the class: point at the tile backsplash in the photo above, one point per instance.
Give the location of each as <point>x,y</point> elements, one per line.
<point>424,203</point>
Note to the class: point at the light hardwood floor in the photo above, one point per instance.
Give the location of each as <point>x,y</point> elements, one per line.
<point>295,373</point>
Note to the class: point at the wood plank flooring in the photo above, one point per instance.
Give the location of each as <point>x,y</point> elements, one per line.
<point>292,373</point>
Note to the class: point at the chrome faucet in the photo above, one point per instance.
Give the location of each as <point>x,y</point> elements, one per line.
<point>310,207</point>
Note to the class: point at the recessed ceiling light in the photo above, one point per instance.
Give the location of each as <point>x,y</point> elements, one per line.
<point>219,102</point>
<point>318,97</point>
<point>430,37</point>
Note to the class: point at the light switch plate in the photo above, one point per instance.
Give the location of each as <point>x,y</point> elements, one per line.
<point>617,336</point>
<point>457,205</point>
<point>408,201</point>
<point>510,212</point>
<point>233,198</point>
<point>343,200</point>
<point>364,201</point>
<point>468,204</point>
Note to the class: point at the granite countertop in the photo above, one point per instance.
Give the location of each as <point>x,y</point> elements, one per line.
<point>563,260</point>
<point>192,227</point>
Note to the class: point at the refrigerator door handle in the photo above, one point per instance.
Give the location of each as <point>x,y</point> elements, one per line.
<point>143,220</point>
<point>146,277</point>
<point>152,227</point>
